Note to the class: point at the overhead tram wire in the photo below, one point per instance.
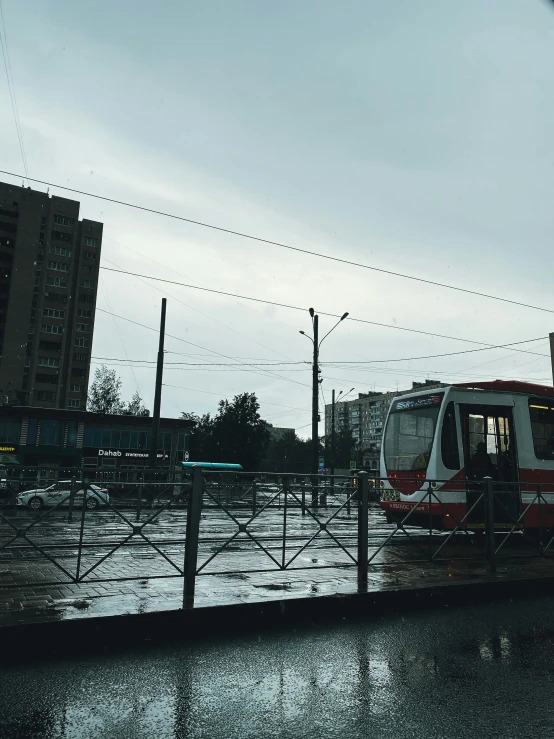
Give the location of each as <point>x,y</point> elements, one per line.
<point>323,313</point>
<point>208,392</point>
<point>263,373</point>
<point>334,365</point>
<point>196,310</point>
<point>282,245</point>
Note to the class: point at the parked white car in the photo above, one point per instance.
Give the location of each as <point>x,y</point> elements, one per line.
<point>59,492</point>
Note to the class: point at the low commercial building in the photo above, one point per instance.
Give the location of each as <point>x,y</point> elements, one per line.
<point>48,440</point>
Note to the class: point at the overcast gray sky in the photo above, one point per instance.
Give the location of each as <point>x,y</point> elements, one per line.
<point>414,136</point>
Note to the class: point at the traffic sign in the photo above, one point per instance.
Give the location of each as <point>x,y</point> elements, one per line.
<point>352,465</point>
<point>321,463</point>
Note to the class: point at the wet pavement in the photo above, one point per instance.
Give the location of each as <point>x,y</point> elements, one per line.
<point>483,671</point>
<point>131,572</point>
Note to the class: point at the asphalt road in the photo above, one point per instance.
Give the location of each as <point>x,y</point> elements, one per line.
<point>482,671</point>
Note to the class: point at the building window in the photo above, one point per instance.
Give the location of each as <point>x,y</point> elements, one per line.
<point>89,269</point>
<point>51,430</point>
<point>86,298</point>
<point>48,362</point>
<point>61,251</point>
<point>49,328</point>
<point>71,433</point>
<point>86,283</point>
<point>79,357</point>
<point>84,313</point>
<point>58,266</point>
<point>53,313</point>
<point>85,343</point>
<point>9,431</point>
<point>78,372</point>
<point>48,396</point>
<point>49,346</point>
<point>541,412</point>
<point>56,281</point>
<point>32,432</point>
<point>115,439</point>
<point>73,403</point>
<point>75,388</point>
<point>91,241</point>
<point>90,255</point>
<point>84,327</point>
<point>62,236</point>
<point>62,220</point>
<point>55,297</point>
<point>48,379</point>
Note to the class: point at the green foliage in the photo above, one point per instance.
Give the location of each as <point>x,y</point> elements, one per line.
<point>292,454</point>
<point>236,434</point>
<point>135,407</point>
<point>104,396</point>
<point>345,446</point>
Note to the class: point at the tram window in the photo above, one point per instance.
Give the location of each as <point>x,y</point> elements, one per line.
<point>541,413</point>
<point>449,440</point>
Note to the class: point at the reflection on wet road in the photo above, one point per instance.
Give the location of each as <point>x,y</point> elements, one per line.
<point>483,671</point>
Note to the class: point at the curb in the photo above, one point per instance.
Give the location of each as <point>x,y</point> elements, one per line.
<point>24,642</point>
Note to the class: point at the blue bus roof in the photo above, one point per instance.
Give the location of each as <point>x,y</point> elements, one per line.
<point>213,465</point>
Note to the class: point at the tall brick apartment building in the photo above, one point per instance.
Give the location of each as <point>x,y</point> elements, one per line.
<point>48,282</point>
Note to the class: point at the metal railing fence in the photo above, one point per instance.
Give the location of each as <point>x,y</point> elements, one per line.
<point>170,524</point>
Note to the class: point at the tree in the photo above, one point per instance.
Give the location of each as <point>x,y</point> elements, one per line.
<point>289,453</point>
<point>104,395</point>
<point>135,407</point>
<point>236,434</point>
<point>344,448</point>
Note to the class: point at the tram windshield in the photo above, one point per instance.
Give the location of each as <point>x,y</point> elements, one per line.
<point>410,431</point>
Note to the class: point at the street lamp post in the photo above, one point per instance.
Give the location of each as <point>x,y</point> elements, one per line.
<point>315,397</point>
<point>340,397</point>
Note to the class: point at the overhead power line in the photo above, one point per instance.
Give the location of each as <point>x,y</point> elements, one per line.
<point>331,364</point>
<point>208,392</point>
<point>11,89</point>
<point>282,245</point>
<point>323,313</point>
<point>264,373</point>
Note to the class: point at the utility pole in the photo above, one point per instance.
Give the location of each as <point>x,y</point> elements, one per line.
<point>332,434</point>
<point>332,460</point>
<point>315,411</point>
<point>552,354</point>
<point>315,395</point>
<point>158,392</point>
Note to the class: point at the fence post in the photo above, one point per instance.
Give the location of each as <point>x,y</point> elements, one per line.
<point>82,530</point>
<point>285,492</point>
<point>194,510</point>
<point>363,512</point>
<point>489,522</point>
<point>71,499</point>
<point>139,496</point>
<point>303,496</point>
<point>254,501</point>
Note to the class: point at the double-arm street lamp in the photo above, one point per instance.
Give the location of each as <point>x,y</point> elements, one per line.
<point>315,390</point>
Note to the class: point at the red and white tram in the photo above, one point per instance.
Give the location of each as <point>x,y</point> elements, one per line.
<point>450,439</point>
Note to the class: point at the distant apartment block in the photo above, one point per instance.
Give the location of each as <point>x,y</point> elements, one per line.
<point>49,262</point>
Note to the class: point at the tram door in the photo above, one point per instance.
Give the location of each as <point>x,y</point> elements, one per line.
<point>490,451</point>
